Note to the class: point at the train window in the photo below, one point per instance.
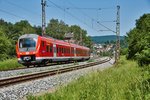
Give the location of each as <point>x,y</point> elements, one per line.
<point>72,51</point>
<point>27,42</point>
<point>50,48</point>
<point>42,43</point>
<point>47,48</point>
<point>57,49</point>
<point>62,50</point>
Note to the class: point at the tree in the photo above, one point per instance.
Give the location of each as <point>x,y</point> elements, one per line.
<point>38,30</point>
<point>139,40</point>
<point>56,29</point>
<point>4,45</point>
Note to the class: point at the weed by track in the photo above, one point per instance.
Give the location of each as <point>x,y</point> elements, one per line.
<point>125,81</point>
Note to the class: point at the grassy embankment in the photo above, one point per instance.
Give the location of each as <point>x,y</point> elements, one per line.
<point>126,81</point>
<point>9,64</point>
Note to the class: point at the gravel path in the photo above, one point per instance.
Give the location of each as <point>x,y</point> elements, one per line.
<point>17,92</point>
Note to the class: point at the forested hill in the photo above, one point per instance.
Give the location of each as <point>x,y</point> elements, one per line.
<point>103,39</point>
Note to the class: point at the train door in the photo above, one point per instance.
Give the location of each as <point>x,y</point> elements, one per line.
<point>55,50</point>
<point>43,48</point>
<point>75,52</point>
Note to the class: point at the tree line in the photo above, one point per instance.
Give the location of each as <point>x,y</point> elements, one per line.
<point>138,40</point>
<point>9,34</point>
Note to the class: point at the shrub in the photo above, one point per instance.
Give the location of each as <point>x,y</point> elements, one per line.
<point>143,58</point>
<point>9,64</point>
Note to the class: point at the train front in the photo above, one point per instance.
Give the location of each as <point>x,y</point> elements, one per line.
<point>26,49</point>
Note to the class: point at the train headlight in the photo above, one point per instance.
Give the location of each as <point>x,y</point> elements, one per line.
<point>27,58</point>
<point>27,53</point>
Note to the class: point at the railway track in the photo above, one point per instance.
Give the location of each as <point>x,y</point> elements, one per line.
<point>50,64</point>
<point>18,79</point>
<point>19,68</point>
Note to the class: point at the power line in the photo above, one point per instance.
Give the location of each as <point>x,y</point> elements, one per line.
<point>69,13</point>
<point>89,8</point>
<point>95,20</point>
<point>107,8</point>
<point>109,21</point>
<point>106,27</point>
<point>25,9</point>
<point>4,11</point>
<point>83,13</point>
<point>9,13</point>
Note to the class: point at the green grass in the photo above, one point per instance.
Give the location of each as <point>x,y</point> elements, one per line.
<point>125,81</point>
<point>91,60</point>
<point>9,64</point>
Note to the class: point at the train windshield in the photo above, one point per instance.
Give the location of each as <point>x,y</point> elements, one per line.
<point>27,42</point>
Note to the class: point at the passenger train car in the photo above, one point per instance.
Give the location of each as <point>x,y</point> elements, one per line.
<point>33,49</point>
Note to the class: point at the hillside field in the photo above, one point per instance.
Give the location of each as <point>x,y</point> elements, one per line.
<point>103,39</point>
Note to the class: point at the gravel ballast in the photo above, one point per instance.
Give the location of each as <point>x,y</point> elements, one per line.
<point>17,92</point>
<point>11,73</point>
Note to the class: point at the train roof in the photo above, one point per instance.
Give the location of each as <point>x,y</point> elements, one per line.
<point>59,42</point>
<point>28,35</point>
<point>78,46</point>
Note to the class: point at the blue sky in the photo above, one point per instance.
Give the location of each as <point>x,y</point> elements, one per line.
<point>84,13</point>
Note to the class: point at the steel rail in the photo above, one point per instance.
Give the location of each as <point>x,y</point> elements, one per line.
<point>22,78</point>
<point>49,64</point>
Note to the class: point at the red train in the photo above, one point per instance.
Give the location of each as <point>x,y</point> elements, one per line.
<point>33,49</point>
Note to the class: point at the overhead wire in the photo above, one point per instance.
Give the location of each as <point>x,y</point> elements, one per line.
<point>93,18</point>
<point>61,8</point>
<point>4,11</point>
<point>17,16</point>
<point>25,9</point>
<point>89,8</point>
<point>82,13</point>
<point>9,13</point>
